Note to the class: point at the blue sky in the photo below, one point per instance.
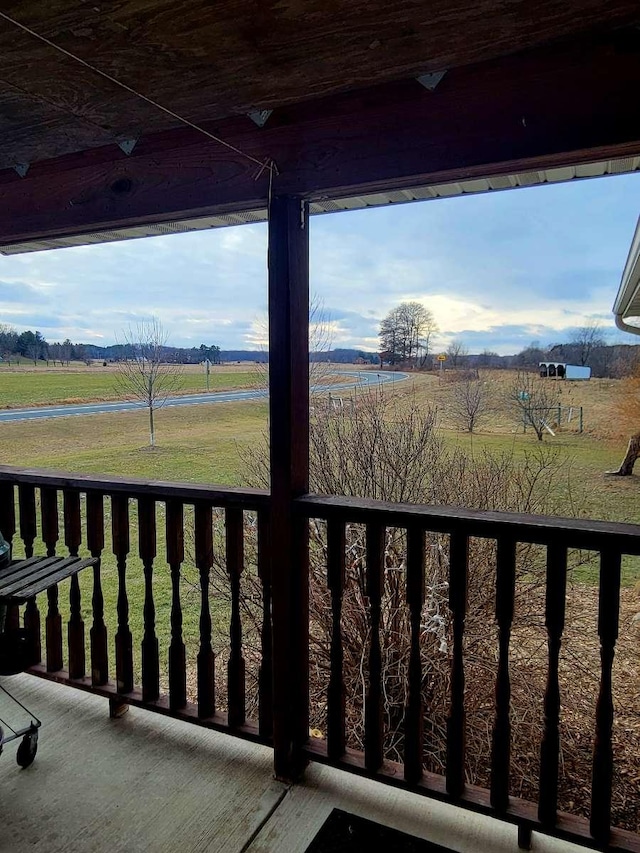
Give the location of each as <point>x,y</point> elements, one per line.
<point>498,271</point>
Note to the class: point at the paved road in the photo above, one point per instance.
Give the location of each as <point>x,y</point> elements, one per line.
<point>359,379</point>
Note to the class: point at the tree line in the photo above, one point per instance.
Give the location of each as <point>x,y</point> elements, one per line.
<point>34,346</point>
<point>406,340</point>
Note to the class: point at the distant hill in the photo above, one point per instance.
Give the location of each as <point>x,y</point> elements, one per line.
<point>195,355</point>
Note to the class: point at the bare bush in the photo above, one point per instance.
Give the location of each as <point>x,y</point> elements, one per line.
<point>320,344</point>
<point>471,403</point>
<point>534,400</point>
<point>391,451</point>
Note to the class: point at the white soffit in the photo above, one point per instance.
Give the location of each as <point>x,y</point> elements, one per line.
<point>319,206</point>
<point>626,308</point>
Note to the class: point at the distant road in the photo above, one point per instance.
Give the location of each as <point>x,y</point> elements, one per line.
<point>360,379</point>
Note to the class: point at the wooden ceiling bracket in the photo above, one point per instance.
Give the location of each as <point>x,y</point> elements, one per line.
<point>127,145</point>
<point>260,117</point>
<point>430,81</point>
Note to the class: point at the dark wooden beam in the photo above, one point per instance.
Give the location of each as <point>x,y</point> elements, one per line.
<point>209,60</point>
<point>544,108</point>
<point>289,469</point>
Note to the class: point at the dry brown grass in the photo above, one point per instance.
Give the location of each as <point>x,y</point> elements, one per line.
<point>600,399</point>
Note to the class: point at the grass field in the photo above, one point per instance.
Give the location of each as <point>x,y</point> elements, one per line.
<point>202,443</point>
<point>208,443</point>
<point>27,385</point>
<point>211,443</point>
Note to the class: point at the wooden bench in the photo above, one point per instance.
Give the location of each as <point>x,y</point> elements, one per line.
<point>24,579</point>
<point>21,581</point>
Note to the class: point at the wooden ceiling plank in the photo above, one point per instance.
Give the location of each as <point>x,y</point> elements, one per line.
<point>44,74</point>
<point>23,119</point>
<point>543,109</point>
<point>208,60</point>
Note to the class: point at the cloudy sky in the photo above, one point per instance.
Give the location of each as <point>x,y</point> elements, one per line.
<point>498,271</point>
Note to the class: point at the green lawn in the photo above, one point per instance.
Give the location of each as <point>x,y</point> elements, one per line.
<point>209,443</point>
<point>39,386</point>
<point>588,490</point>
<point>202,443</point>
<point>595,494</point>
<point>194,443</point>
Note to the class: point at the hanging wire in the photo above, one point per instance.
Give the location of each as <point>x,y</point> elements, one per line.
<point>269,163</point>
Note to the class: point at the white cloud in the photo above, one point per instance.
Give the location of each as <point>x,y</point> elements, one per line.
<point>527,264</point>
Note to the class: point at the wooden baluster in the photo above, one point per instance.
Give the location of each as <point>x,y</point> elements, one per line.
<point>7,511</point>
<point>124,641</point>
<point>53,621</point>
<point>49,518</point>
<point>336,544</point>
<point>265,674</point>
<point>28,530</point>
<point>550,744</point>
<point>456,724</point>
<point>8,529</point>
<point>413,746</point>
<point>373,720</point>
<point>234,532</point>
<point>608,619</point>
<point>73,538</point>
<point>204,561</point>
<point>177,653</point>
<point>147,551</point>
<point>501,740</point>
<point>98,633</point>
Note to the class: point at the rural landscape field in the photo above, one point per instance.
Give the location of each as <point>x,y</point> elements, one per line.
<point>203,443</point>
<point>224,443</point>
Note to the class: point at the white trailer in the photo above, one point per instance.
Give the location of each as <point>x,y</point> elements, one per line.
<point>577,371</point>
<point>560,370</point>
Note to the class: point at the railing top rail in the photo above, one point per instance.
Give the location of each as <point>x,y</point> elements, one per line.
<point>539,529</point>
<point>222,496</point>
<point>572,532</point>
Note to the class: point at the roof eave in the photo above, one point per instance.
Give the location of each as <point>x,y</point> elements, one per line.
<point>627,302</point>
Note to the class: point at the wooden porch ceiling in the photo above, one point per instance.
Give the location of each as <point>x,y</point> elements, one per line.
<point>208,61</point>
<point>527,86</point>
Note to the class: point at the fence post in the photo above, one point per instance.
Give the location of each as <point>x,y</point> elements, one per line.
<point>289,457</point>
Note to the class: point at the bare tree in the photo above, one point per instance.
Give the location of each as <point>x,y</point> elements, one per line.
<point>471,402</point>
<point>55,350</point>
<point>406,332</point>
<point>586,339</point>
<point>146,375</point>
<point>534,400</point>
<point>66,350</point>
<point>456,353</point>
<point>320,344</point>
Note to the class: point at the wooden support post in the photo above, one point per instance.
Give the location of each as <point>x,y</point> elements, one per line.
<point>289,451</point>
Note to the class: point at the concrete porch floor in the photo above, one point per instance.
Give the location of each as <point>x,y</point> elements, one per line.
<point>149,783</point>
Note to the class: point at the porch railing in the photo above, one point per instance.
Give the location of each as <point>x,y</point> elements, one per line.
<point>508,530</point>
<point>30,513</point>
<point>30,507</point>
